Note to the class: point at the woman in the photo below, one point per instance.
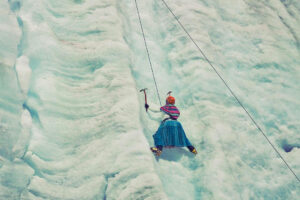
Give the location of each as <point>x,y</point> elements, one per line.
<point>170,132</point>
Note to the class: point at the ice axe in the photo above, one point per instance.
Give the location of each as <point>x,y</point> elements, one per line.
<point>144,90</point>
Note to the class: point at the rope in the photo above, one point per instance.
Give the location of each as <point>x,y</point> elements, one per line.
<point>138,12</point>
<point>232,93</point>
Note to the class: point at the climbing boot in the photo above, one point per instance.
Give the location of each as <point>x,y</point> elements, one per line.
<point>194,151</point>
<point>156,151</point>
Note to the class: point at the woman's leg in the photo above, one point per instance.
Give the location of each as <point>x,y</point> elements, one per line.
<point>160,147</point>
<point>192,149</point>
<point>157,150</point>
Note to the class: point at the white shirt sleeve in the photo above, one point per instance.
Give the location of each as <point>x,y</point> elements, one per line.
<point>154,113</point>
<point>154,108</point>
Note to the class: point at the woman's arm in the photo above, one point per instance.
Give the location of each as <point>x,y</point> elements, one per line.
<point>155,113</point>
<point>154,109</point>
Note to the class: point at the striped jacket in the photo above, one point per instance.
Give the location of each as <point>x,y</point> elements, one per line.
<point>170,110</point>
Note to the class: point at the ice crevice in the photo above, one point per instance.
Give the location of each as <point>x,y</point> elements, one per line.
<point>23,75</point>
<point>289,146</point>
<point>107,177</point>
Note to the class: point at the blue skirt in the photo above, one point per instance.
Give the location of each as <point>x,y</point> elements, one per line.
<point>171,133</point>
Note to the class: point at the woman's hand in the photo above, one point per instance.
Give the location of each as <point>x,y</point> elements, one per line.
<point>146,106</point>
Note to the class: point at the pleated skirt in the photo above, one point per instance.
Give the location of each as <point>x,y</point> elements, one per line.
<point>171,134</point>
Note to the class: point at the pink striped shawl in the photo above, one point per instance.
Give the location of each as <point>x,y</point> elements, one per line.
<point>170,110</point>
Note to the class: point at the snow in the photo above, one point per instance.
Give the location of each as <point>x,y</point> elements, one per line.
<point>72,121</point>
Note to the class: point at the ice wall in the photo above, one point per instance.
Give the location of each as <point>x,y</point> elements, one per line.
<point>70,66</point>
<point>253,46</point>
<point>72,123</point>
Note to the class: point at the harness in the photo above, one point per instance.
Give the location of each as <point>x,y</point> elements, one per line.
<point>168,118</point>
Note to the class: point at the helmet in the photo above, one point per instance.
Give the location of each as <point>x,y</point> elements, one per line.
<point>170,100</point>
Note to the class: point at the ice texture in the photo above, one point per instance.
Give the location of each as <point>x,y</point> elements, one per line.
<point>72,121</point>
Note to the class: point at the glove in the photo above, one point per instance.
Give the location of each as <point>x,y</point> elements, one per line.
<point>146,106</point>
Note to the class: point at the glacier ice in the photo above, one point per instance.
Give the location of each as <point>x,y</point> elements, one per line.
<point>72,123</point>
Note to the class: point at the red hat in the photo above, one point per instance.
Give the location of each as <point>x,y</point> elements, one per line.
<point>170,100</point>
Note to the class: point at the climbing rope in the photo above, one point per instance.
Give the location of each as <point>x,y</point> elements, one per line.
<point>138,12</point>
<point>232,93</point>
